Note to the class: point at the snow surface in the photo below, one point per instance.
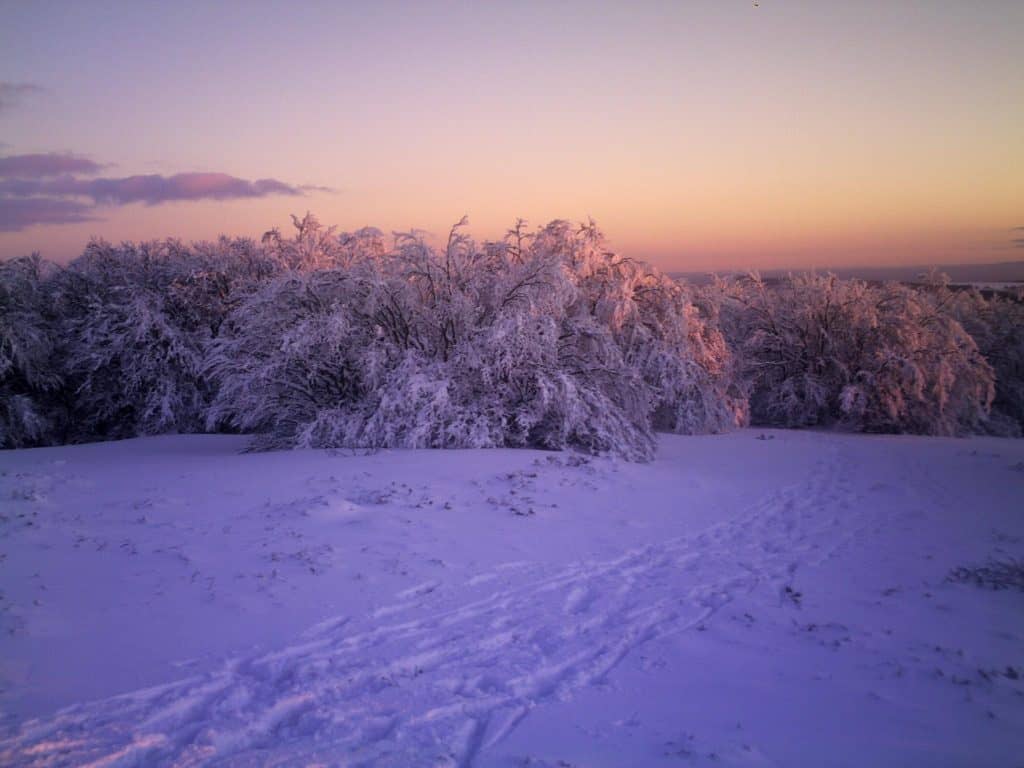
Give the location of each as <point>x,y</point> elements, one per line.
<point>758,598</point>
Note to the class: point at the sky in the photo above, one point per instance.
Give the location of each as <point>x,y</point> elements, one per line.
<point>698,135</point>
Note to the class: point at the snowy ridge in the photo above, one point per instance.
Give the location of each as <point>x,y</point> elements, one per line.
<point>440,681</point>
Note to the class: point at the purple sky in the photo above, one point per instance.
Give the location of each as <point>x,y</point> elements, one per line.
<point>699,135</point>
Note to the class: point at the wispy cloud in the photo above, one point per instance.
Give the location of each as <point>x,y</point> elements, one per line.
<point>46,164</point>
<point>1018,242</point>
<point>17,214</point>
<point>155,189</point>
<point>12,94</point>
<point>151,189</point>
<point>54,188</point>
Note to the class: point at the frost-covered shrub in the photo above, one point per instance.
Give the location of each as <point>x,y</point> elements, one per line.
<point>132,340</point>
<point>680,354</point>
<point>214,277</point>
<point>289,351</point>
<point>543,339</point>
<point>134,325</point>
<point>819,350</point>
<point>29,375</point>
<point>314,246</point>
<point>996,324</point>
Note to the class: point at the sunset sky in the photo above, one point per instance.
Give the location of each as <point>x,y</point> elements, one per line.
<point>699,135</point>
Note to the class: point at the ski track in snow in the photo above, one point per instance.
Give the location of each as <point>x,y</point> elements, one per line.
<point>442,675</point>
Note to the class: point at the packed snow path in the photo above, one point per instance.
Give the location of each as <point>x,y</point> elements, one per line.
<point>454,671</point>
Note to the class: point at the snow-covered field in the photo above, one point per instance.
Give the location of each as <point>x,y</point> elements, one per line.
<point>758,598</point>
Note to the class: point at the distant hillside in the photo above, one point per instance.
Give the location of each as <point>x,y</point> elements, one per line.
<point>1000,272</point>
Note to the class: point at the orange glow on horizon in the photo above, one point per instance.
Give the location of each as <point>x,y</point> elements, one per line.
<point>698,138</point>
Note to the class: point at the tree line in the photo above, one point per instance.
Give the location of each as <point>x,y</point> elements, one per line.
<point>542,339</point>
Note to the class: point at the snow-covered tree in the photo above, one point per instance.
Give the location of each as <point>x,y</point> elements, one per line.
<point>132,339</point>
<point>29,372</point>
<point>819,350</point>
<point>313,246</point>
<point>996,323</point>
<point>289,351</point>
<point>544,339</point>
<point>215,276</point>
